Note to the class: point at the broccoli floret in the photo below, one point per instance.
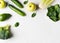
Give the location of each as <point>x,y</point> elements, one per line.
<point>5,32</point>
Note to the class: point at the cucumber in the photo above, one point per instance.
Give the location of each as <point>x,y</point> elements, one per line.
<point>16,2</point>
<point>17,10</point>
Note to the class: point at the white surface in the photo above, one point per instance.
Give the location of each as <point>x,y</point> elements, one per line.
<point>32,30</point>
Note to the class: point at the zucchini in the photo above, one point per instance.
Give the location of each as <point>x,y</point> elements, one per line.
<point>16,2</point>
<point>16,10</point>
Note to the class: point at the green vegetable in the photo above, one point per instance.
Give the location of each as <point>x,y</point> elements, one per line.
<point>4,16</point>
<point>16,24</point>
<point>17,10</point>
<point>25,2</point>
<point>45,3</point>
<point>54,13</point>
<point>5,32</point>
<point>16,2</point>
<point>34,14</point>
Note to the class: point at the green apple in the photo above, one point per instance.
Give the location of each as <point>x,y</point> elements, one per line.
<point>31,6</point>
<point>2,4</point>
<point>1,0</point>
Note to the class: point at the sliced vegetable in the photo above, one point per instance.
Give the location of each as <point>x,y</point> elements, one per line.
<point>5,32</point>
<point>45,3</point>
<point>16,24</point>
<point>34,14</point>
<point>17,10</point>
<point>19,4</point>
<point>4,16</point>
<point>54,13</point>
<point>25,2</point>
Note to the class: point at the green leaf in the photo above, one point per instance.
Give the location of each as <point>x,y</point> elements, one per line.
<point>34,14</point>
<point>4,16</point>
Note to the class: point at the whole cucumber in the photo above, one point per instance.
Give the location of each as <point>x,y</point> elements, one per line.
<point>16,10</point>
<point>16,2</point>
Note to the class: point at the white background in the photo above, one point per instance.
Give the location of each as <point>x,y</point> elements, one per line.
<point>32,30</point>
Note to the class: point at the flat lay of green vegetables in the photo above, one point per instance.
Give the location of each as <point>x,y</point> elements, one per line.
<point>53,13</point>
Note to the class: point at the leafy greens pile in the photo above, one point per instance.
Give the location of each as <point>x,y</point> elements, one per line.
<point>54,12</point>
